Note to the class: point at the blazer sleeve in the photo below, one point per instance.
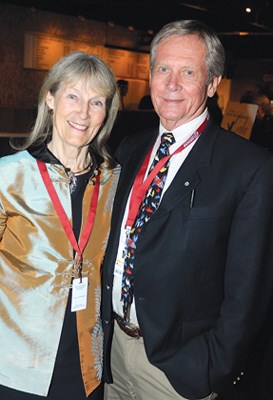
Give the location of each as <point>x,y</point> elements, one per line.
<point>217,357</point>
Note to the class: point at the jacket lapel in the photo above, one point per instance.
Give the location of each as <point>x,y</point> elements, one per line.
<point>187,178</point>
<point>190,174</point>
<point>130,167</point>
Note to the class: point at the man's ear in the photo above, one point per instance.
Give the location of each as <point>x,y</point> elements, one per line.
<point>212,87</point>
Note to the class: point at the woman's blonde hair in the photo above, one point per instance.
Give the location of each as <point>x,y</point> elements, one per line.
<point>98,76</point>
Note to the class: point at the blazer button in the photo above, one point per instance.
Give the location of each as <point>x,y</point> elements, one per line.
<point>107,287</point>
<point>106,321</point>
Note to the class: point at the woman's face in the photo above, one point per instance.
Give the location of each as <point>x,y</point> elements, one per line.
<point>79,112</point>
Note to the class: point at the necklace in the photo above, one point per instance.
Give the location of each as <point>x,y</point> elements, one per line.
<point>72,176</point>
<point>81,170</point>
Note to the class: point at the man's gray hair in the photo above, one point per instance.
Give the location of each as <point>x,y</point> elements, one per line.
<point>215,59</point>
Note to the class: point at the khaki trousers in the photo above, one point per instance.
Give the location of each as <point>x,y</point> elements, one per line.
<point>134,376</point>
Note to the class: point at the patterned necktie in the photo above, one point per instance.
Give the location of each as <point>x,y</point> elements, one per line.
<point>149,206</point>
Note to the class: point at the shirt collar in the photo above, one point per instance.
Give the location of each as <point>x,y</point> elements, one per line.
<point>182,132</point>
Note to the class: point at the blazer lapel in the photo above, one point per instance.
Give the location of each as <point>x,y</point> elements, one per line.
<point>190,174</point>
<point>187,178</point>
<point>130,167</point>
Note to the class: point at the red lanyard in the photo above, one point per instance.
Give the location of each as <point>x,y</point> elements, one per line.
<point>78,247</point>
<point>140,186</point>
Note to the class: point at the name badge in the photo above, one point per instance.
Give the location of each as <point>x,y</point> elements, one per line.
<point>79,294</point>
<point>119,266</point>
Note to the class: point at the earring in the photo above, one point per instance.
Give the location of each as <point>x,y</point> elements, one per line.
<point>50,111</point>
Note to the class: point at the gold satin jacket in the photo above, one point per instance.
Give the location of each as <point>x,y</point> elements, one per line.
<point>36,266</point>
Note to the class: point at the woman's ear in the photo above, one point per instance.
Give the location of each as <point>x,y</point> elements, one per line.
<point>50,101</point>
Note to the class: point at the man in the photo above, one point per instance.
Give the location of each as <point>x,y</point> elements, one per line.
<point>186,281</point>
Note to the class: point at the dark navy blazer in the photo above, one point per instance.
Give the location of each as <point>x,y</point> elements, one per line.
<point>203,275</point>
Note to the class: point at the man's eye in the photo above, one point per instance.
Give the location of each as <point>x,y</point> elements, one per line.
<point>189,72</point>
<point>162,69</point>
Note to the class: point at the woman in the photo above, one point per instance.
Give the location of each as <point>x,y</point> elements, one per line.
<point>55,205</point>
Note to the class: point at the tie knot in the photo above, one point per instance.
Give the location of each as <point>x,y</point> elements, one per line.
<point>167,139</point>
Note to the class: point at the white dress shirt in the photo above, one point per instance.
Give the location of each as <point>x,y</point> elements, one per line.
<point>181,134</point>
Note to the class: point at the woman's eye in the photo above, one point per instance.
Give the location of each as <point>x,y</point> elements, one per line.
<point>97,103</point>
<point>72,96</point>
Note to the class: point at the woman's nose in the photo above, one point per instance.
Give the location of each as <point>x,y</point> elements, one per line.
<point>84,110</point>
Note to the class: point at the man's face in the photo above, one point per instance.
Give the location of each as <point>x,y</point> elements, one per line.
<point>178,81</point>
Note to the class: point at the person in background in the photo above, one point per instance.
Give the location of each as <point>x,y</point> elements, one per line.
<point>262,130</point>
<point>123,86</point>
<point>55,206</point>
<point>187,275</point>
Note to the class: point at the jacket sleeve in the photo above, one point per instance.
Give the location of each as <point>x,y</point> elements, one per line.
<point>217,357</point>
